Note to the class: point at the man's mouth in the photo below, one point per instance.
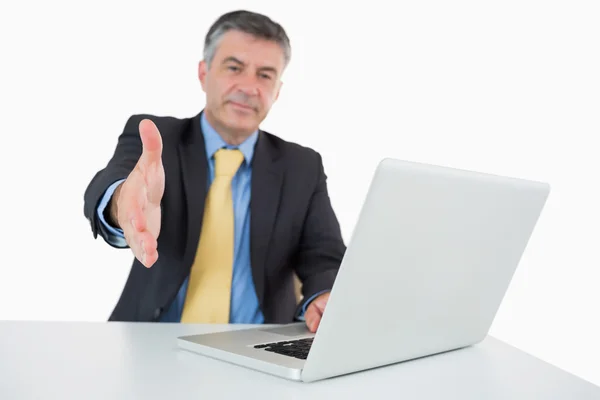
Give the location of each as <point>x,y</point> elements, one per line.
<point>243,106</point>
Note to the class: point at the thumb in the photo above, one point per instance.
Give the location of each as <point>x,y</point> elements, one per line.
<point>151,142</point>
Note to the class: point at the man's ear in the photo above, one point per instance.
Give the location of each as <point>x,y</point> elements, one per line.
<point>202,71</point>
<point>278,90</point>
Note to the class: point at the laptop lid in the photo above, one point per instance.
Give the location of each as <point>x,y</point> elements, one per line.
<point>428,264</point>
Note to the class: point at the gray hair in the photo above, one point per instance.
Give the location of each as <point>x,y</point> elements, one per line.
<point>252,23</point>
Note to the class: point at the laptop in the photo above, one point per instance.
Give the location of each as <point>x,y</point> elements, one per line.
<point>426,268</point>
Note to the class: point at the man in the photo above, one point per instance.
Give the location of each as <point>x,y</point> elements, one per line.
<point>220,215</point>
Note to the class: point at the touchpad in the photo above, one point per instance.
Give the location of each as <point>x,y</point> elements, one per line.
<point>289,330</point>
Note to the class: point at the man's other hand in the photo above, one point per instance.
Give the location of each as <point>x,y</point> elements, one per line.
<point>315,310</point>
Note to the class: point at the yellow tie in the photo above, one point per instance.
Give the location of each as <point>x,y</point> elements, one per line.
<point>209,291</point>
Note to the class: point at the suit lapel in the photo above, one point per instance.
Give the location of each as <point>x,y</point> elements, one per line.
<point>194,171</point>
<point>267,180</point>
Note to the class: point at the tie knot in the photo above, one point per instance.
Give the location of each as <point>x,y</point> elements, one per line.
<point>227,162</point>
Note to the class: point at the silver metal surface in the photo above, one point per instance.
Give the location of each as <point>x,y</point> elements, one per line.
<point>428,264</point>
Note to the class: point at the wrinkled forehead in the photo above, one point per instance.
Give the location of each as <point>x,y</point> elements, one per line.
<point>250,51</point>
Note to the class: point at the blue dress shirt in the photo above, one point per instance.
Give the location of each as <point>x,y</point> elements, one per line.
<point>244,302</point>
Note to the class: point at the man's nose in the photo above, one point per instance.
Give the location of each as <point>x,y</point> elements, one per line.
<point>248,84</point>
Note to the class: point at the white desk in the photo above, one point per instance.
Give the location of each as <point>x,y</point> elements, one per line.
<point>72,360</point>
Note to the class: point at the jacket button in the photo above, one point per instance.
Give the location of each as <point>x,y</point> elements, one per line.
<point>157,312</point>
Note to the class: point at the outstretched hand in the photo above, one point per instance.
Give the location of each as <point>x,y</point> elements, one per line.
<point>136,205</point>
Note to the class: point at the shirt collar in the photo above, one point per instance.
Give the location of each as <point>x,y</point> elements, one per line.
<point>214,141</point>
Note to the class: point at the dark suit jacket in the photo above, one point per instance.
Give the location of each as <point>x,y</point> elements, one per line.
<point>293,226</point>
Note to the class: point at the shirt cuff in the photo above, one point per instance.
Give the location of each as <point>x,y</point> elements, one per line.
<point>114,235</point>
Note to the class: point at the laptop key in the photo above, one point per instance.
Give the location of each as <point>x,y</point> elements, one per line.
<point>291,348</point>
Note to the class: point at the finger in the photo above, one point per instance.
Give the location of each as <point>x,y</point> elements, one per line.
<point>312,317</point>
<point>309,316</point>
<point>147,249</point>
<point>150,164</point>
<point>309,323</point>
<point>144,248</point>
<point>320,305</point>
<point>151,142</point>
<point>321,301</point>
<point>315,324</point>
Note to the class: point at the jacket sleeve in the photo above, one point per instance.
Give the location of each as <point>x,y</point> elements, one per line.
<point>321,245</point>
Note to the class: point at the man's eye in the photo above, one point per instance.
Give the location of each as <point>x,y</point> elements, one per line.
<point>233,68</point>
<point>265,76</point>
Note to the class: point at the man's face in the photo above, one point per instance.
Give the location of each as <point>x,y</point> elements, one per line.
<point>242,83</point>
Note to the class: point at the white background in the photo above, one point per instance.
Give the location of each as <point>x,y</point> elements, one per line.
<point>508,87</point>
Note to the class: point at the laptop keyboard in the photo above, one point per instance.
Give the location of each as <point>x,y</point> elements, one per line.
<point>293,348</point>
